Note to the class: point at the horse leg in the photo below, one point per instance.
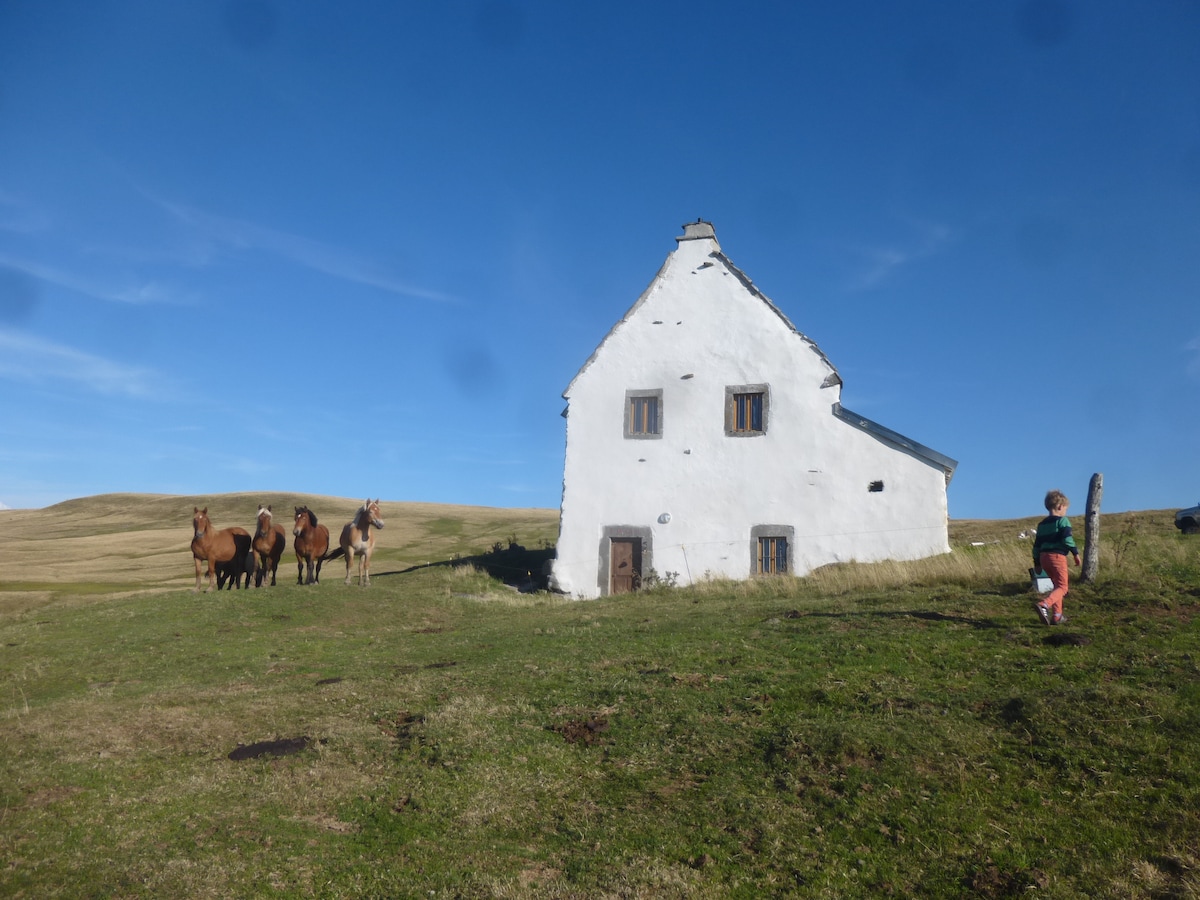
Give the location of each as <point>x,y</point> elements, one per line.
<point>251,564</point>
<point>196,589</point>
<point>349,563</point>
<point>364,577</point>
<point>299,569</point>
<point>317,577</point>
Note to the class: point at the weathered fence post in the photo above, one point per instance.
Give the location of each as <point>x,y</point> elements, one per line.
<point>1091,532</point>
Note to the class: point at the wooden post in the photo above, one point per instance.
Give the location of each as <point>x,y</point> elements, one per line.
<point>1091,550</point>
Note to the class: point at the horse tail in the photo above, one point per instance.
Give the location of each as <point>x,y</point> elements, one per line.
<point>334,554</point>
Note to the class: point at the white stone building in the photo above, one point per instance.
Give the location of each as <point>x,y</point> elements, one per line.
<point>706,437</point>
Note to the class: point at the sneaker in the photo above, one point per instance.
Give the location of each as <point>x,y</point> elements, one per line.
<point>1060,619</point>
<point>1043,613</point>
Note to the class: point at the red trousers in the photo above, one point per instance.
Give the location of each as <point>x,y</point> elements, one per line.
<point>1055,565</point>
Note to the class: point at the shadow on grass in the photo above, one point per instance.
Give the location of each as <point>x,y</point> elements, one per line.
<point>275,748</point>
<point>923,614</point>
<point>1056,638</point>
<point>526,570</point>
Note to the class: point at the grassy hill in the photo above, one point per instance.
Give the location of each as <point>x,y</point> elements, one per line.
<point>119,543</point>
<point>889,730</point>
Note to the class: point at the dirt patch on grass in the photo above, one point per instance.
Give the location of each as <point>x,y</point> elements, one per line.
<point>990,881</point>
<point>538,874</point>
<point>326,823</point>
<point>582,731</point>
<point>49,796</point>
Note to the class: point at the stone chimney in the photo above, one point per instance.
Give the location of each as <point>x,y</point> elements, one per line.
<point>694,231</point>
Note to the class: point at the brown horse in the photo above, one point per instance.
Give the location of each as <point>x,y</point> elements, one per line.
<point>269,541</point>
<point>311,543</point>
<point>357,537</point>
<point>226,549</point>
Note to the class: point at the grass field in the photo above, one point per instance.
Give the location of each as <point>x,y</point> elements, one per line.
<point>891,730</point>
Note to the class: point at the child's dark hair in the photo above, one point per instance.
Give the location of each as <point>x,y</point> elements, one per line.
<point>1055,499</point>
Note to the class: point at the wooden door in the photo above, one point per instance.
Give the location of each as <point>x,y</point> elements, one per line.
<point>625,565</point>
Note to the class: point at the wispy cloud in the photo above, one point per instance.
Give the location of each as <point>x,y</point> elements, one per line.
<point>238,234</point>
<point>144,292</point>
<point>31,360</point>
<point>878,264</point>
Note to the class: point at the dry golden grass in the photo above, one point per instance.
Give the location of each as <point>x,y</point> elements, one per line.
<point>986,551</point>
<point>122,542</point>
<point>114,544</point>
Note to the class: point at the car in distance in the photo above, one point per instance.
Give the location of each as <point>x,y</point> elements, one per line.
<point>1188,520</point>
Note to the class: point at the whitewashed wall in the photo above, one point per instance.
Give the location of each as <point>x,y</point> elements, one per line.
<point>697,329</point>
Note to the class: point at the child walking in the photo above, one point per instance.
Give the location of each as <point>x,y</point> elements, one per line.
<point>1050,549</point>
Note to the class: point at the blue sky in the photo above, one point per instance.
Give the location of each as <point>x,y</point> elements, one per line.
<point>361,249</point>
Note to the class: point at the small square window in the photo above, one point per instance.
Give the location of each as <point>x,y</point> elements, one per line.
<point>771,549</point>
<point>875,487</point>
<point>747,412</point>
<point>746,409</point>
<point>772,555</point>
<point>643,414</point>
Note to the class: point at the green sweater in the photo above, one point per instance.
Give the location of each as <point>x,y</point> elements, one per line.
<point>1054,536</point>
